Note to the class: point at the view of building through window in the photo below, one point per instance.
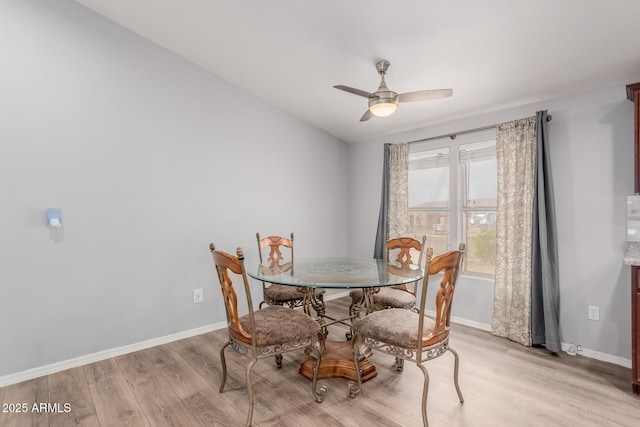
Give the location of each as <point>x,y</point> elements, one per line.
<point>452,199</point>
<point>429,197</point>
<point>478,185</point>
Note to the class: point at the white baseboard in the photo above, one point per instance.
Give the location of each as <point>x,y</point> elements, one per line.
<point>106,354</point>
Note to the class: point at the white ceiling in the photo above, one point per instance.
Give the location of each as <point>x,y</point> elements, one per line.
<point>494,54</point>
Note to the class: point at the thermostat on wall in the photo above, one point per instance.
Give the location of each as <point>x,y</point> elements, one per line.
<point>54,217</point>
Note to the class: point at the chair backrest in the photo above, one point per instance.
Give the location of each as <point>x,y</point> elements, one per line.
<point>226,263</point>
<point>274,243</point>
<point>449,264</point>
<point>405,245</point>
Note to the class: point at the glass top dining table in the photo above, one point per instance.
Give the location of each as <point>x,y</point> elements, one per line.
<point>308,274</point>
<point>337,273</point>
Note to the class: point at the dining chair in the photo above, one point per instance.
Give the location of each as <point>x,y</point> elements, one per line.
<point>274,294</point>
<point>263,332</point>
<point>410,335</point>
<point>399,296</point>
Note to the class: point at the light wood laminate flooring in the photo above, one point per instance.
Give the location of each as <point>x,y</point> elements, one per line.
<point>176,384</point>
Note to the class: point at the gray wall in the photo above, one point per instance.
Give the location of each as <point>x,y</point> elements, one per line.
<point>591,142</point>
<point>150,159</point>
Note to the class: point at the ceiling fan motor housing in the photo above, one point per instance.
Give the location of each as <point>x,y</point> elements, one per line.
<point>384,97</point>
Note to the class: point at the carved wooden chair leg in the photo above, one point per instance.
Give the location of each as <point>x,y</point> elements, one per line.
<point>224,366</point>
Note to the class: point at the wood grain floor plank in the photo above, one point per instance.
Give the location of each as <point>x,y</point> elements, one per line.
<point>182,378</point>
<point>20,400</point>
<point>114,401</point>
<point>71,387</point>
<point>204,359</point>
<point>202,353</point>
<point>98,371</point>
<point>211,410</point>
<point>156,398</point>
<point>190,387</point>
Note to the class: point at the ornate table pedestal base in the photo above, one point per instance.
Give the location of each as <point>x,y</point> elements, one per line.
<point>337,361</point>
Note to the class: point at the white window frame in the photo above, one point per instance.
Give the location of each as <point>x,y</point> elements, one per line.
<point>457,233</point>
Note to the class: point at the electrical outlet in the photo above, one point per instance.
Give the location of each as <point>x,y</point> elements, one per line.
<point>197,296</point>
<point>594,313</point>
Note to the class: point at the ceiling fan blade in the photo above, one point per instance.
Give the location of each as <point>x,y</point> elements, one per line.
<point>424,95</point>
<point>355,91</point>
<point>366,116</point>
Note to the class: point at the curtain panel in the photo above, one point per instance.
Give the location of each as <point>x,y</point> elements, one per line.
<point>545,280</point>
<point>393,219</point>
<point>515,153</point>
<point>398,190</point>
<point>379,248</point>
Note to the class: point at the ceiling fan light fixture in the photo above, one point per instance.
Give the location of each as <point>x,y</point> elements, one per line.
<point>384,102</point>
<point>383,107</point>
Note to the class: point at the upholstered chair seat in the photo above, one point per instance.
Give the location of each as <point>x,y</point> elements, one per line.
<point>276,325</point>
<point>395,326</point>
<point>389,297</point>
<point>284,295</point>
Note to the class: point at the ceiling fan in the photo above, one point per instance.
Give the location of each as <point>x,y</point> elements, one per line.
<point>383,102</point>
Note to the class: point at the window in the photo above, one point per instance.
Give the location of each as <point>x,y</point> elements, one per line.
<point>479,185</point>
<point>429,197</point>
<point>452,199</point>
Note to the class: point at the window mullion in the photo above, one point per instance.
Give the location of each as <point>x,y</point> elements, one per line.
<point>455,201</point>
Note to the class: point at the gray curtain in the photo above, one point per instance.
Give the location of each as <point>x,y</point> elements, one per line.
<point>545,294</point>
<point>380,248</point>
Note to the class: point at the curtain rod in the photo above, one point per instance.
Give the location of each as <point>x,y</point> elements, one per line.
<point>462,132</point>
